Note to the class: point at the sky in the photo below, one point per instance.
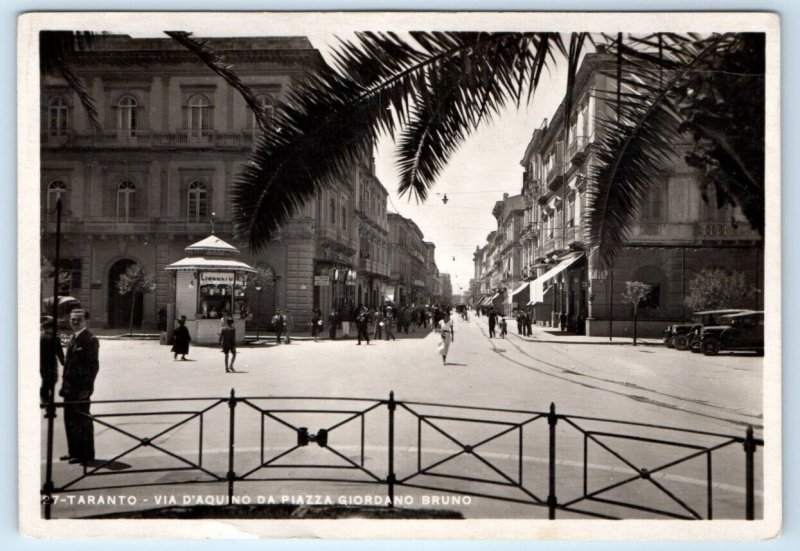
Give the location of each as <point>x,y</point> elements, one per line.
<point>486,165</point>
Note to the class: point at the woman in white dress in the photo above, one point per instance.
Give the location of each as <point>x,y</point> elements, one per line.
<point>445,329</point>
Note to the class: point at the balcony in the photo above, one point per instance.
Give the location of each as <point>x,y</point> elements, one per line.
<point>111,226</point>
<point>151,139</point>
<point>576,152</point>
<point>724,231</point>
<point>555,177</point>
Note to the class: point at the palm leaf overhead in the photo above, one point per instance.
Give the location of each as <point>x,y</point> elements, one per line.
<point>56,50</point>
<point>635,148</point>
<point>441,88</point>
<point>216,63</point>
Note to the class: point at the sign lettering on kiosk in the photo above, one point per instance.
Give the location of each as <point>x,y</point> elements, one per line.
<point>216,278</point>
<point>322,281</point>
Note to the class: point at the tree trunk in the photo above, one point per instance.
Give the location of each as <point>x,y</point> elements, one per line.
<point>133,307</point>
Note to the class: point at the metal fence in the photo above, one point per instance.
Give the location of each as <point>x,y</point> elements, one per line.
<point>540,459</point>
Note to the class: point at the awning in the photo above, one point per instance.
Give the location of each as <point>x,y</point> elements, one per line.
<point>537,285</point>
<point>521,295</point>
<point>194,263</point>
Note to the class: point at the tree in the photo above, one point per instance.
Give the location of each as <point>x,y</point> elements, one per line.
<point>716,289</point>
<point>135,281</point>
<point>635,292</point>
<point>432,91</point>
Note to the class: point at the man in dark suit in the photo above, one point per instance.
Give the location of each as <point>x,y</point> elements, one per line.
<point>77,385</point>
<point>492,322</point>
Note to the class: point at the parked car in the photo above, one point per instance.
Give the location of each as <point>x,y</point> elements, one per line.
<point>703,319</point>
<point>675,335</point>
<point>742,331</point>
<point>65,306</point>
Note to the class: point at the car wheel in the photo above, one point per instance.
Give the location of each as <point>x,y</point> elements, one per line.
<point>681,342</point>
<point>710,347</point>
<point>694,347</point>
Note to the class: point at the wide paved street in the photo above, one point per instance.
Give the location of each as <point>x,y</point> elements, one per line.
<point>582,376</point>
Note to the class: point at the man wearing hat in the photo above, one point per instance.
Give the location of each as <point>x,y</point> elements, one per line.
<point>50,355</point>
<point>77,384</point>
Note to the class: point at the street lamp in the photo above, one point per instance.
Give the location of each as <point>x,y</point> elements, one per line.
<point>258,318</point>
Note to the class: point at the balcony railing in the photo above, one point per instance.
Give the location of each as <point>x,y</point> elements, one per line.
<point>133,227</point>
<point>725,231</point>
<point>576,152</point>
<point>149,138</point>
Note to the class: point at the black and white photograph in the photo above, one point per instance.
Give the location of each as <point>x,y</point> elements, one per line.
<point>379,275</point>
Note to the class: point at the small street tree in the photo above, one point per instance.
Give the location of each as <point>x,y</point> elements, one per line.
<point>135,281</point>
<point>635,292</point>
<point>715,289</point>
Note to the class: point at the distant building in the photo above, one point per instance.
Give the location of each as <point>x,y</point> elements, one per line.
<point>677,233</point>
<point>409,263</point>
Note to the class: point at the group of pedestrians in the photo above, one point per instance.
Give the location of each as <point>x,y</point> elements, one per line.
<point>497,324</point>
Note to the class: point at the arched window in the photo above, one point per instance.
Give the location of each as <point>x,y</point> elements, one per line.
<point>55,190</point>
<point>126,201</point>
<point>268,107</point>
<point>58,117</point>
<point>199,119</point>
<point>127,116</point>
<point>197,201</point>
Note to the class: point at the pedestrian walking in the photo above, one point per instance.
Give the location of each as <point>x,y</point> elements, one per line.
<point>529,323</point>
<point>50,356</point>
<point>347,317</point>
<point>492,322</point>
<point>503,328</point>
<point>388,323</point>
<point>316,323</point>
<point>227,338</point>
<point>288,325</point>
<point>379,323</point>
<point>333,321</point>
<point>563,321</point>
<point>361,325</point>
<point>520,329</point>
<point>181,340</point>
<point>77,385</point>
<point>445,329</point>
<point>278,325</point>
<point>162,320</point>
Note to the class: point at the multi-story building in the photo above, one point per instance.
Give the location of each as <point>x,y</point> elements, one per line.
<point>409,270</point>
<point>445,297</point>
<point>676,235</point>
<point>157,178</point>
<point>373,237</point>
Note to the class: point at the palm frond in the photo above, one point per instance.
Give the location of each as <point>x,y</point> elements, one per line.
<point>56,50</point>
<point>634,148</point>
<point>332,118</point>
<point>216,63</point>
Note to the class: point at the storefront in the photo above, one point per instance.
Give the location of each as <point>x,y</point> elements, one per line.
<point>210,286</point>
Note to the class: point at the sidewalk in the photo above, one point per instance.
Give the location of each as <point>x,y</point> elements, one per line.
<point>554,336</point>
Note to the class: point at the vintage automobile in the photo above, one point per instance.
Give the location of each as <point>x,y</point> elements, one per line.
<point>742,331</point>
<point>65,306</point>
<point>691,339</point>
<point>675,335</point>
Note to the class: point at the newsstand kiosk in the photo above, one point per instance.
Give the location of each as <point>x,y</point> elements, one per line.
<point>209,285</point>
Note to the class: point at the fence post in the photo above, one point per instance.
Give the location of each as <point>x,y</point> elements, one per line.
<point>390,479</point>
<point>231,476</point>
<point>47,488</point>
<point>552,418</point>
<point>749,452</point>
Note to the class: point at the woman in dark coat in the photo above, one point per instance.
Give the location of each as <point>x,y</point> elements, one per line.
<point>181,339</point>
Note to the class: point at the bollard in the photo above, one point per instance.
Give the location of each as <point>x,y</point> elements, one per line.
<point>231,476</point>
<point>390,479</point>
<point>749,452</point>
<point>552,502</point>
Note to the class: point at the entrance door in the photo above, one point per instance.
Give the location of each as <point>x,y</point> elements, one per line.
<point>119,306</point>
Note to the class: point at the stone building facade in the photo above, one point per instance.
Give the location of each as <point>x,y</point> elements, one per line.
<point>676,235</point>
<point>157,178</point>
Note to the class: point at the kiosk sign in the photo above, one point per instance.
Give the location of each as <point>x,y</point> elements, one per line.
<point>216,278</point>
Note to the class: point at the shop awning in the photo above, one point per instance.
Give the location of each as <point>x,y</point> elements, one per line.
<point>521,295</point>
<point>537,285</point>
<point>204,263</point>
